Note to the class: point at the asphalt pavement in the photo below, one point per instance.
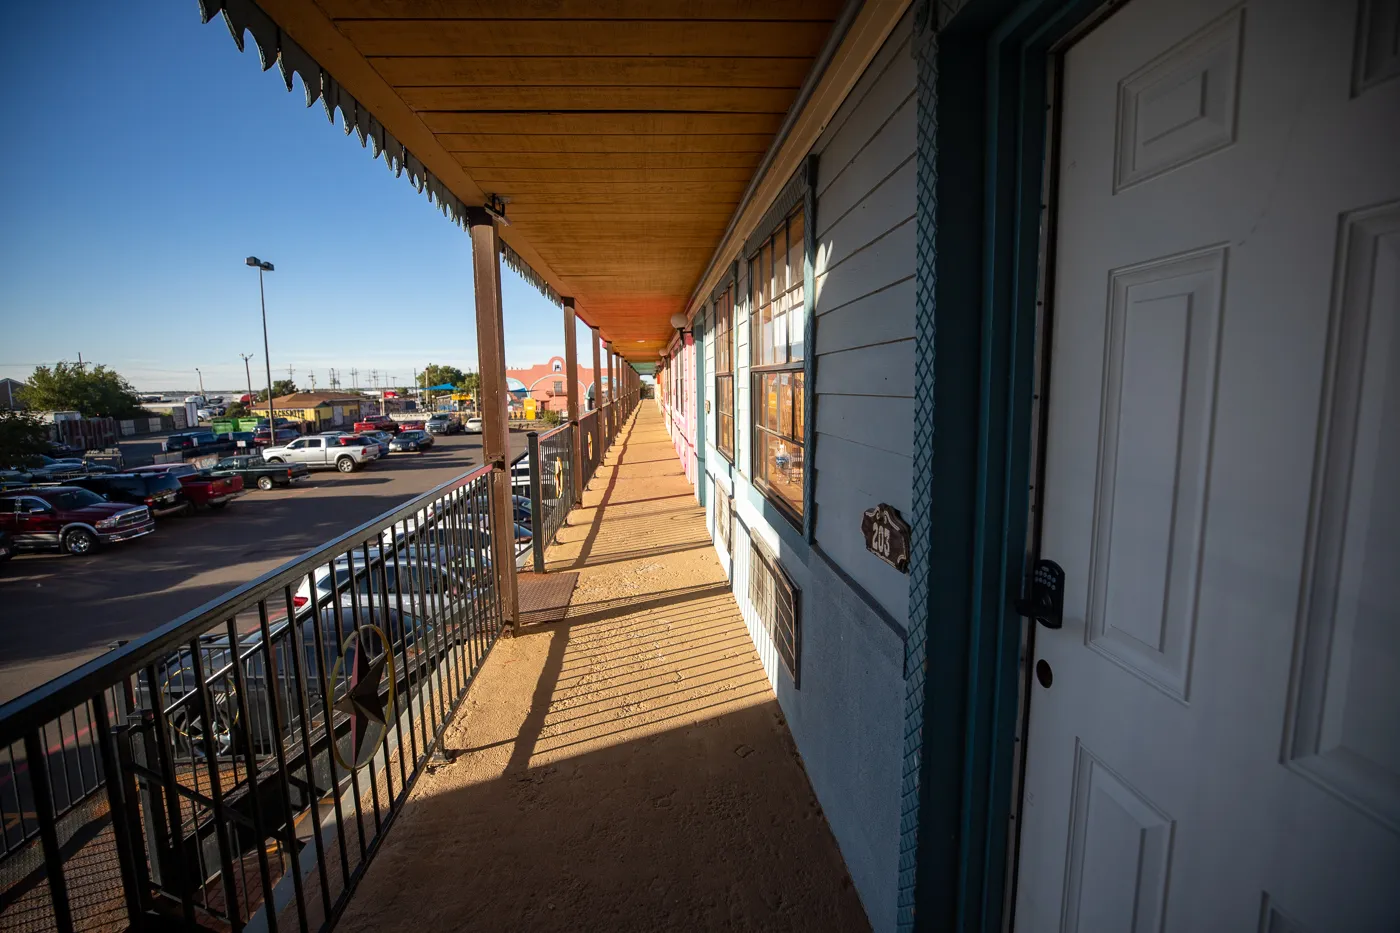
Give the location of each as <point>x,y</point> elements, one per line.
<point>58,611</point>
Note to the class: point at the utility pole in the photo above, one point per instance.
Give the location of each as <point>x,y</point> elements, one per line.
<point>291,375</point>
<point>312,376</point>
<point>354,379</point>
<point>249,373</point>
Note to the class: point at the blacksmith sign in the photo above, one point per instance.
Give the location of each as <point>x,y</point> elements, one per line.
<point>887,536</point>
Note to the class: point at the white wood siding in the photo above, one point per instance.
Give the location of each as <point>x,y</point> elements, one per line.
<point>865,317</point>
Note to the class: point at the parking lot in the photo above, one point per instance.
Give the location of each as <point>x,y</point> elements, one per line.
<point>57,611</point>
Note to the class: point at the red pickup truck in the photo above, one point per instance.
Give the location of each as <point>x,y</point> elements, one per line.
<point>377,423</point>
<point>72,519</point>
<point>199,487</point>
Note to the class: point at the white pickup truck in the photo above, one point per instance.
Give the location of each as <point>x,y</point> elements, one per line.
<point>345,454</point>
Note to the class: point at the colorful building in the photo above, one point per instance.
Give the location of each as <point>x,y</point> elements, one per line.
<point>545,383</point>
<point>315,410</point>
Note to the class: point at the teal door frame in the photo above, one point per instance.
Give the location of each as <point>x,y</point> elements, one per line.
<point>983,93</point>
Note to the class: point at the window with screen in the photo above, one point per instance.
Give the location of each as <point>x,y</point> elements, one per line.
<point>778,322</point>
<point>724,373</point>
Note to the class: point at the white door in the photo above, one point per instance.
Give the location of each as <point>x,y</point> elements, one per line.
<point>1219,745</point>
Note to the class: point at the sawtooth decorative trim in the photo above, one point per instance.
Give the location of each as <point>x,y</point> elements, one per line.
<point>275,47</point>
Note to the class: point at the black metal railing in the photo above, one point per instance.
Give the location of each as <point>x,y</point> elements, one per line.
<point>551,458</point>
<point>590,445</point>
<point>240,765</point>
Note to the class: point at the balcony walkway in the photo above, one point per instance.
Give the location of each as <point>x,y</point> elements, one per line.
<point>626,767</point>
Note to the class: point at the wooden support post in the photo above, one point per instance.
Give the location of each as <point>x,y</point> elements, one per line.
<point>607,393</point>
<point>495,433</point>
<point>597,372</point>
<point>571,374</point>
<point>597,401</point>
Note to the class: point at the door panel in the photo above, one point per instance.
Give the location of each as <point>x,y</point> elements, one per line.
<point>1219,748</point>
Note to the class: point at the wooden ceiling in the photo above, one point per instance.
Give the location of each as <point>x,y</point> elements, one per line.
<point>622,132</point>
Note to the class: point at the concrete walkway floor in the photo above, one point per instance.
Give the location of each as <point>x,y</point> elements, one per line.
<point>626,767</point>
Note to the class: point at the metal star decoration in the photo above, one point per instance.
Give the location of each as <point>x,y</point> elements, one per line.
<point>362,702</point>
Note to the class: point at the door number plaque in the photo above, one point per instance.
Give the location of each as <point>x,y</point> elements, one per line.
<point>887,536</point>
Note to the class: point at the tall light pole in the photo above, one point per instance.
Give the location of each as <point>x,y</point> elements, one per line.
<point>201,381</point>
<point>262,296</point>
<point>249,373</point>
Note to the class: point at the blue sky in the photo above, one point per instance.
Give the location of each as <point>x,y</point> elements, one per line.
<point>149,157</point>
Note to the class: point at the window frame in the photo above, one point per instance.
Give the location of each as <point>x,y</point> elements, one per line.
<point>724,370</point>
<point>792,365</point>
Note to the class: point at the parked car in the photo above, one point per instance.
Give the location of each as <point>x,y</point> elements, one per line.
<point>323,453</point>
<point>66,451</point>
<point>255,471</point>
<point>15,478</point>
<point>382,438</point>
<point>70,519</point>
<point>162,495</point>
<point>520,481</point>
<point>377,423</point>
<point>184,440</point>
<point>243,440</point>
<point>520,505</point>
<point>443,424</point>
<point>473,425</point>
<point>201,488</point>
<point>46,469</point>
<point>411,441</point>
<point>261,439</point>
<point>433,579</point>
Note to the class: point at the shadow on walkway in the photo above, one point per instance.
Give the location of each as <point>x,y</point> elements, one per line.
<point>626,767</point>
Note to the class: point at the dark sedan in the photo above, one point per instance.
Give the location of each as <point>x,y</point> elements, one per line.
<point>411,441</point>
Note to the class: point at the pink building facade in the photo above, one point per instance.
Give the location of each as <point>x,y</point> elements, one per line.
<point>548,384</point>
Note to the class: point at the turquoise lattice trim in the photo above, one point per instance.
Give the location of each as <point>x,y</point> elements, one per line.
<point>925,50</point>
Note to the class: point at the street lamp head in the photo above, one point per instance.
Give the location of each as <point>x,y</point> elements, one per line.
<point>259,264</point>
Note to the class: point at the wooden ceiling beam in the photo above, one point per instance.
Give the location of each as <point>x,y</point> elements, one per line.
<point>482,163</point>
<point>533,216</point>
<point>668,196</point>
<point>573,97</point>
<point>703,188</point>
<point>816,10</point>
<point>504,142</point>
<point>472,72</point>
<point>622,176</point>
<point>498,37</point>
<point>607,121</point>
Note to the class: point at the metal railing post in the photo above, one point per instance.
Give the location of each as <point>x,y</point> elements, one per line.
<point>38,761</point>
<point>537,542</point>
<point>116,766</point>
